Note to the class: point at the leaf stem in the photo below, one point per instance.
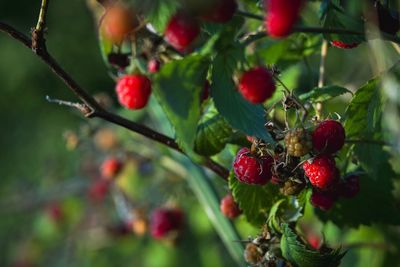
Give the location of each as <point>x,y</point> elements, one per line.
<point>324,52</point>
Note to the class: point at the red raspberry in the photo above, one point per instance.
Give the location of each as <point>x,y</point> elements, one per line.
<point>117,23</point>
<point>229,207</point>
<point>165,221</point>
<point>153,66</point>
<point>110,168</point>
<point>181,31</point>
<point>321,171</point>
<point>222,12</point>
<point>322,200</point>
<point>98,190</point>
<point>257,85</point>
<point>350,187</point>
<point>133,91</point>
<point>281,16</point>
<point>314,240</point>
<point>251,170</point>
<point>328,137</point>
<point>343,45</point>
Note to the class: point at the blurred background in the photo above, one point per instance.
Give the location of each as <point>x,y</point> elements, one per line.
<point>53,209</point>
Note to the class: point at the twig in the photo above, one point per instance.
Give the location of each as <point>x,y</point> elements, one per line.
<point>95,109</point>
<point>249,15</point>
<point>321,80</point>
<point>84,109</point>
<point>38,40</point>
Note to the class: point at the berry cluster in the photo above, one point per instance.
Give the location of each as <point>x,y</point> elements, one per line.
<point>261,164</point>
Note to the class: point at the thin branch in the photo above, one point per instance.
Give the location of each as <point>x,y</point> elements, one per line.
<point>321,80</point>
<point>249,15</point>
<point>94,109</point>
<point>38,40</point>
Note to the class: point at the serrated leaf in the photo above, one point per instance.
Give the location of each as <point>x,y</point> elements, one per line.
<point>336,17</point>
<point>297,253</point>
<point>361,113</point>
<point>158,12</point>
<point>241,114</point>
<point>177,88</point>
<point>213,133</point>
<point>254,200</point>
<point>284,211</point>
<point>321,94</point>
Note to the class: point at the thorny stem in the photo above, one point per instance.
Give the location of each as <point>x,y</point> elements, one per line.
<point>321,80</point>
<point>91,106</point>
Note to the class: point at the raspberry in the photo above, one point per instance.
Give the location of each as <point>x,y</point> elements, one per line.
<point>98,190</point>
<point>314,240</point>
<point>322,200</point>
<point>153,66</point>
<point>222,12</point>
<point>322,171</point>
<point>133,91</point>
<point>251,170</point>
<point>110,168</point>
<point>281,16</point>
<point>257,85</point>
<point>291,188</point>
<point>181,31</point>
<point>229,207</point>
<point>328,137</point>
<point>298,142</point>
<point>340,44</point>
<point>165,221</point>
<point>117,23</point>
<point>350,187</point>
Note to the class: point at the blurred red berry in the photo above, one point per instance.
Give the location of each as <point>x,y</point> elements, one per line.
<point>321,171</point>
<point>257,85</point>
<point>251,170</point>
<point>314,240</point>
<point>281,15</point>
<point>323,200</point>
<point>350,187</point>
<point>340,44</point>
<point>133,91</point>
<point>229,207</point>
<point>110,168</point>
<point>117,23</point>
<point>153,66</point>
<point>181,31</point>
<point>98,190</point>
<point>328,137</point>
<point>164,221</point>
<point>55,212</point>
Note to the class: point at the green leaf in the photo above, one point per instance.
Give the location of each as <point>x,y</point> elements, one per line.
<point>297,253</point>
<point>177,88</point>
<point>254,200</point>
<point>106,47</point>
<point>320,94</point>
<point>158,12</point>
<point>284,211</point>
<point>361,115</point>
<point>337,18</point>
<point>213,133</point>
<point>241,114</point>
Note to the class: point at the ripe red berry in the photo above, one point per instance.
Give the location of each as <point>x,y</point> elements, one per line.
<point>165,221</point>
<point>133,91</point>
<point>281,16</point>
<point>328,137</point>
<point>98,190</point>
<point>340,44</point>
<point>321,171</point>
<point>153,66</point>
<point>350,187</point>
<point>117,23</point>
<point>229,207</point>
<point>322,200</point>
<point>110,168</point>
<point>251,170</point>
<point>181,31</point>
<point>314,240</point>
<point>257,85</point>
<point>222,12</point>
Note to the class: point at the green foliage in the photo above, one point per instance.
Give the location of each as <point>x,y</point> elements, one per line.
<point>295,251</point>
<point>177,88</point>
<point>212,135</point>
<point>254,200</point>
<point>321,94</point>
